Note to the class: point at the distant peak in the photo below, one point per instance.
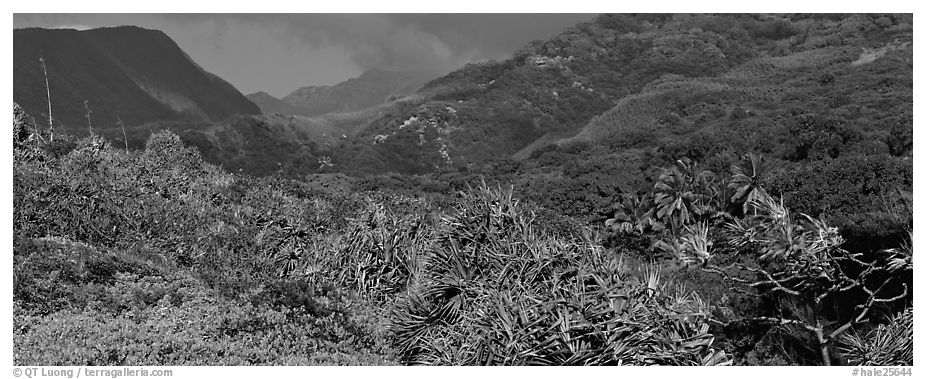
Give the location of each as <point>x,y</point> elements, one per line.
<point>311,89</point>
<point>260,94</point>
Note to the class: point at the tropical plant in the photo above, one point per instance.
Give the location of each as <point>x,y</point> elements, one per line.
<point>889,344</point>
<point>900,259</point>
<point>496,291</point>
<point>801,258</point>
<point>381,251</point>
<point>747,179</point>
<point>634,213</point>
<point>27,138</point>
<point>682,194</point>
<point>692,246</point>
<point>284,243</point>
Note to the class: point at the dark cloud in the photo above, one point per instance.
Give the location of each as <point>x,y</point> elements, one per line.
<point>280,52</point>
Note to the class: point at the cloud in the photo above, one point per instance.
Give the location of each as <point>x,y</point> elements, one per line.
<point>420,41</point>
<point>281,52</point>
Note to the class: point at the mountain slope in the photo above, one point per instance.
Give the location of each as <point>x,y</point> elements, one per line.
<point>372,88</point>
<point>644,67</point>
<point>269,105</point>
<point>135,74</point>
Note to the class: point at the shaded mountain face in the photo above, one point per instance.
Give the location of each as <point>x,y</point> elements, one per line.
<point>374,87</point>
<point>135,74</point>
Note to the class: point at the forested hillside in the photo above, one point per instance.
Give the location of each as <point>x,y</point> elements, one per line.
<point>625,78</point>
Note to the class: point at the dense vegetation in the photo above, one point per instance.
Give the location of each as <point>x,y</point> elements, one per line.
<point>696,86</point>
<point>155,257</point>
<point>826,100</point>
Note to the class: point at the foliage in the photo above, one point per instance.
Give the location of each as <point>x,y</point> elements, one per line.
<point>746,180</point>
<point>381,251</point>
<point>890,344</point>
<point>800,260</point>
<point>496,291</point>
<point>682,194</point>
<point>205,330</point>
<point>634,213</point>
<point>129,247</point>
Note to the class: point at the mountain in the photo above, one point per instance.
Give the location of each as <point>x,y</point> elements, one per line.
<point>651,83</point>
<point>372,88</point>
<point>130,73</point>
<point>270,105</point>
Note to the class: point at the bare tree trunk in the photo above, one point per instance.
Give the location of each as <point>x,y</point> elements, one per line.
<point>824,346</point>
<point>51,130</point>
<point>124,138</point>
<point>87,112</point>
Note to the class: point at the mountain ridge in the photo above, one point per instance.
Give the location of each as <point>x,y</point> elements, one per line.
<point>373,87</point>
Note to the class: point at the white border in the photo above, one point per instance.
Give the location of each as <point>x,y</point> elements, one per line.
<point>478,6</point>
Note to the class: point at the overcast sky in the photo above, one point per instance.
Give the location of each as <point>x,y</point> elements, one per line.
<point>278,53</point>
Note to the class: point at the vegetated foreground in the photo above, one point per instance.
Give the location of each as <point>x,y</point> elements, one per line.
<point>154,257</point>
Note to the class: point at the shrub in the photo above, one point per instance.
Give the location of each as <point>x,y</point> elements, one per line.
<point>847,191</point>
<point>381,251</point>
<point>799,263</point>
<point>496,291</point>
<point>774,30</point>
<point>204,331</point>
<point>52,274</point>
<point>890,344</point>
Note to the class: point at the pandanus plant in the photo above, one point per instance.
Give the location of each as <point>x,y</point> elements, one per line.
<point>285,244</point>
<point>380,251</point>
<point>890,344</point>
<point>691,247</point>
<point>497,291</point>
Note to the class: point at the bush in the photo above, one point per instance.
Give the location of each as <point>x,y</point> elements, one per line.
<point>495,291</point>
<point>890,344</point>
<point>847,191</point>
<point>204,331</point>
<point>774,30</point>
<point>53,274</point>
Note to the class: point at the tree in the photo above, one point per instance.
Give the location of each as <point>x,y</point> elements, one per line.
<point>800,260</point>
<point>634,213</point>
<point>683,193</point>
<point>747,179</point>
